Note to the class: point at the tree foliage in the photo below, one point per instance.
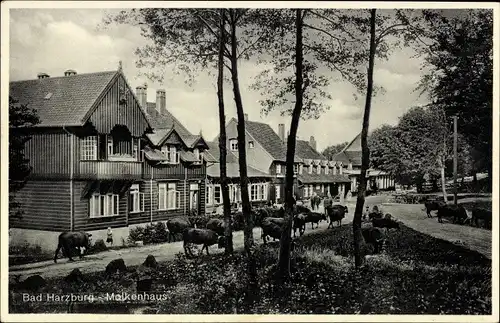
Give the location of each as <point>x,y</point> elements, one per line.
<point>20,116</point>
<point>460,74</point>
<point>331,151</point>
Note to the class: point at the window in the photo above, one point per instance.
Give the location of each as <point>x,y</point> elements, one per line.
<point>171,153</point>
<point>217,194</point>
<point>250,144</point>
<point>233,144</point>
<point>334,170</point>
<point>136,199</point>
<point>340,169</point>
<point>168,196</point>
<point>103,205</point>
<point>253,192</point>
<point>278,169</point>
<point>300,169</point>
<point>306,191</point>
<point>310,169</point>
<point>326,170</point>
<point>197,155</point>
<point>193,196</point>
<point>318,169</point>
<point>88,148</point>
<point>278,192</point>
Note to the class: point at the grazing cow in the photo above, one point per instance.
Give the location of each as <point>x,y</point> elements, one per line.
<point>270,228</point>
<point>375,215</point>
<point>433,206</point>
<point>315,217</point>
<point>336,213</point>
<point>216,225</point>
<point>456,212</point>
<point>177,226</point>
<point>375,237</point>
<point>69,241</point>
<point>299,222</point>
<point>206,237</point>
<point>302,209</point>
<point>481,214</point>
<point>385,223</point>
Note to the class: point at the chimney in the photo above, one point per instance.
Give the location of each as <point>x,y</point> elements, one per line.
<point>43,75</point>
<point>312,142</point>
<point>281,131</point>
<point>141,93</point>
<point>161,103</point>
<point>246,116</point>
<point>69,72</point>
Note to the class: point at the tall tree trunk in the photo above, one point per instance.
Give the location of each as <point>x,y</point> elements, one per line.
<point>244,182</point>
<point>365,161</point>
<point>443,182</point>
<point>228,230</point>
<point>285,241</point>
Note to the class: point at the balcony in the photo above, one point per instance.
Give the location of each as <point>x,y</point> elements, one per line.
<point>93,169</point>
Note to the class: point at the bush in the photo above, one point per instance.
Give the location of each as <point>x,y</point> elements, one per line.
<point>136,234</point>
<point>98,246</point>
<point>27,253</point>
<point>149,233</point>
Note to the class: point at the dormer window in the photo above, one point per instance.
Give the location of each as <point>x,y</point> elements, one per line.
<point>310,169</point>
<point>278,169</point>
<point>318,169</point>
<point>170,151</point>
<point>233,144</point>
<point>340,169</point>
<point>326,170</point>
<point>334,170</point>
<point>300,169</point>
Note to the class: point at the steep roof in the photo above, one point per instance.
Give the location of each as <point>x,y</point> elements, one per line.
<point>213,149</point>
<point>269,139</point>
<point>351,152</point>
<point>62,101</point>
<point>305,151</point>
<point>166,121</point>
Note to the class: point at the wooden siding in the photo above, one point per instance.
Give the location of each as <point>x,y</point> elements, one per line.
<point>49,154</point>
<point>109,170</point>
<point>82,219</point>
<point>109,112</point>
<point>46,206</point>
<point>197,172</point>
<point>174,139</point>
<point>164,171</point>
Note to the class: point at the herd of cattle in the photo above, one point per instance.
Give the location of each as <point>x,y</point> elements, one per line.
<point>458,214</point>
<point>272,222</point>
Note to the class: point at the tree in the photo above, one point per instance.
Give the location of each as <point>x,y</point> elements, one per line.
<point>460,77</point>
<point>331,151</point>
<point>228,232</point>
<point>20,116</point>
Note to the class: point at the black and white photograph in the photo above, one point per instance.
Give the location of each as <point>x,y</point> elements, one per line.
<point>333,159</point>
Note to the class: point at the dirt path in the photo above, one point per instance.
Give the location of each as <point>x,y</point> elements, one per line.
<point>411,215</point>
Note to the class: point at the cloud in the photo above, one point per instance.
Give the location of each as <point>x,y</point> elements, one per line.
<point>53,40</point>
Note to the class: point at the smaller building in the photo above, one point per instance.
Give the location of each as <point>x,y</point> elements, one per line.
<point>351,156</point>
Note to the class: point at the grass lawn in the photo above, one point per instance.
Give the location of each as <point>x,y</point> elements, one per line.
<point>417,274</point>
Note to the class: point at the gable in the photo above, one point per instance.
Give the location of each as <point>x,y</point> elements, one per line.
<point>355,144</point>
<point>173,139</point>
<point>111,110</point>
<point>62,101</point>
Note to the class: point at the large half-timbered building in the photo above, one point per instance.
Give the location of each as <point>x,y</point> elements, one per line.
<point>102,156</point>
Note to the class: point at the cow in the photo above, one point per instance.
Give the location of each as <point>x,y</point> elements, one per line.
<point>385,223</point>
<point>457,212</point>
<point>216,225</point>
<point>375,237</point>
<point>336,213</point>
<point>433,206</point>
<point>481,214</point>
<point>299,222</point>
<point>177,226</point>
<point>315,217</point>
<point>270,228</point>
<point>375,215</point>
<point>206,237</point>
<point>69,241</point>
<point>302,209</point>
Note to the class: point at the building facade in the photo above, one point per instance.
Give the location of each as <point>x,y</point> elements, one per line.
<point>351,155</point>
<point>101,157</point>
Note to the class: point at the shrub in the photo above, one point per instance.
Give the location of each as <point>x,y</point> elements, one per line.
<point>98,246</point>
<point>27,253</point>
<point>136,234</point>
<point>159,233</point>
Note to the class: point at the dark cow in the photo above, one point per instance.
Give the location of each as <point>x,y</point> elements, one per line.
<point>216,225</point>
<point>375,237</point>
<point>271,229</point>
<point>302,209</point>
<point>299,222</point>
<point>433,206</point>
<point>69,241</point>
<point>385,223</point>
<point>481,214</point>
<point>336,213</point>
<point>177,226</point>
<point>456,212</point>
<point>375,215</point>
<point>315,217</point>
<point>206,237</point>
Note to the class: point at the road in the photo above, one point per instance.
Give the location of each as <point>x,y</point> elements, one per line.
<point>411,215</point>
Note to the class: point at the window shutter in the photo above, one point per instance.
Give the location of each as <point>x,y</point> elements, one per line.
<point>177,199</point>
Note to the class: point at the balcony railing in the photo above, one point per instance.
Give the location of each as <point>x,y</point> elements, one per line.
<point>110,169</point>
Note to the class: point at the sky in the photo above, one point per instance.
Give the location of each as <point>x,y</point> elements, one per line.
<point>54,40</point>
